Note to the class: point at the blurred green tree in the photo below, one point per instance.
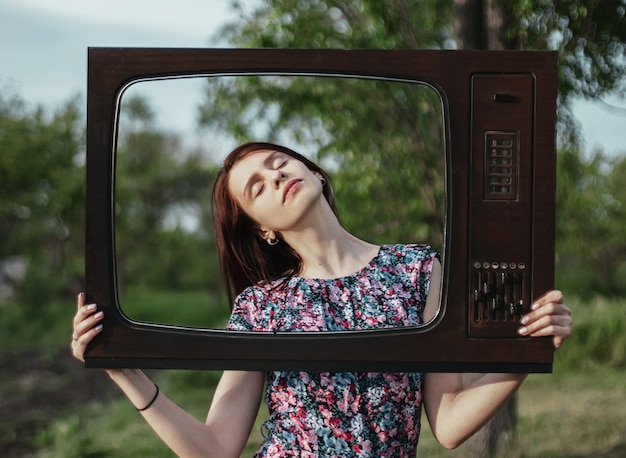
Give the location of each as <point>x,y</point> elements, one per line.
<point>592,213</point>
<point>41,193</point>
<point>162,206</point>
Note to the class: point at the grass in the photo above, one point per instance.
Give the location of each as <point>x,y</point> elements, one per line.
<point>29,328</point>
<point>567,415</point>
<point>573,415</point>
<point>186,308</point>
<point>576,412</point>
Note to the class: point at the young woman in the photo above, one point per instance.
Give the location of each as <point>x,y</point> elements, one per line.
<point>293,267</point>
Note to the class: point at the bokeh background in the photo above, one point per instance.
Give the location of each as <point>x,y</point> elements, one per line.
<point>173,138</point>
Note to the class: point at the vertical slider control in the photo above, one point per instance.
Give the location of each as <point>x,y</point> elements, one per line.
<point>498,298</point>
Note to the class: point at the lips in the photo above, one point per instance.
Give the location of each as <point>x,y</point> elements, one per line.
<point>290,188</point>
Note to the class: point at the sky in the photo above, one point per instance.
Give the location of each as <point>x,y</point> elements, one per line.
<point>43,50</point>
<point>43,44</point>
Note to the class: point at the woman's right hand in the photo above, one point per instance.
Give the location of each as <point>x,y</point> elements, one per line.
<point>87,325</point>
<point>231,417</point>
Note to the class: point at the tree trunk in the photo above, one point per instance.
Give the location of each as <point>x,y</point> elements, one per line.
<point>498,437</point>
<point>468,24</point>
<point>479,24</point>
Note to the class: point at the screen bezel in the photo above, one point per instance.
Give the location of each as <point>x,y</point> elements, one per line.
<point>444,344</point>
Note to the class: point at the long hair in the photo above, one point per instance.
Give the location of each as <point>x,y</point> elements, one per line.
<point>245,257</point>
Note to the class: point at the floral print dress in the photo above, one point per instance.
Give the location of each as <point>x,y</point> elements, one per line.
<point>342,414</point>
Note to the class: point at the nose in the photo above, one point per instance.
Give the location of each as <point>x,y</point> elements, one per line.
<point>278,177</point>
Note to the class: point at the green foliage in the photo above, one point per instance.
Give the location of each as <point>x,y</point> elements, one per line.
<point>591,246</point>
<point>598,337</point>
<point>100,431</point>
<point>41,190</point>
<point>42,201</point>
<point>183,307</point>
<point>162,203</point>
<point>550,422</point>
<point>46,326</point>
<point>590,37</point>
<point>343,24</point>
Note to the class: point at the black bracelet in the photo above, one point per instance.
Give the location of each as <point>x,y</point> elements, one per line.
<point>153,399</point>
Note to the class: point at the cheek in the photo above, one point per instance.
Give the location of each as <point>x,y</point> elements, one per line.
<point>260,212</point>
<point>260,217</point>
<point>271,217</point>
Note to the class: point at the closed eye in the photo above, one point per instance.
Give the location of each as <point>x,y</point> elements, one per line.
<point>257,189</point>
<point>280,163</point>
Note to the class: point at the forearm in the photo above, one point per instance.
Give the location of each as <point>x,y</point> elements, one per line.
<point>184,434</point>
<point>461,411</point>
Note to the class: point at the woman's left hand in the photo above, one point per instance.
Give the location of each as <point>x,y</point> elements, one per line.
<point>549,317</point>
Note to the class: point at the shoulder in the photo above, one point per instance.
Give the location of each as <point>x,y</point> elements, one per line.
<point>247,313</point>
<point>260,307</point>
<point>262,291</point>
<point>408,253</point>
<point>267,294</point>
<point>414,262</point>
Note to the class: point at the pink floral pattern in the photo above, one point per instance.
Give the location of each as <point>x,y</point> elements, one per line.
<point>344,414</point>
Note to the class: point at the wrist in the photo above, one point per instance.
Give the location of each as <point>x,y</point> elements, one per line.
<point>149,404</point>
<point>138,388</point>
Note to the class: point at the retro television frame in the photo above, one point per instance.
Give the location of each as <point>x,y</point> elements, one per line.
<point>499,111</point>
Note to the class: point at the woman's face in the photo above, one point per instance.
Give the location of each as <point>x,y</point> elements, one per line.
<point>274,189</point>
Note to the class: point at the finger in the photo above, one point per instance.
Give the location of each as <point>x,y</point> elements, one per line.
<point>554,296</point>
<point>548,325</point>
<point>80,301</point>
<point>558,333</point>
<point>546,308</point>
<point>558,326</point>
<point>539,312</point>
<point>79,344</point>
<point>557,341</point>
<point>88,322</point>
<point>83,312</point>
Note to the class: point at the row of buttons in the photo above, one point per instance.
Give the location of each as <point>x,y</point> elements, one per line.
<point>500,265</point>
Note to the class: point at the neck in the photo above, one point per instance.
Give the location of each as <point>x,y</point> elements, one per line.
<point>327,249</point>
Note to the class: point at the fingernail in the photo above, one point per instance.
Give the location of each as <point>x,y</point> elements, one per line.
<point>91,307</point>
<point>535,306</point>
<point>525,320</point>
<point>99,314</point>
<point>522,331</point>
<point>99,327</point>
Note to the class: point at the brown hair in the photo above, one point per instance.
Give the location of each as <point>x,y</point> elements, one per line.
<point>245,257</point>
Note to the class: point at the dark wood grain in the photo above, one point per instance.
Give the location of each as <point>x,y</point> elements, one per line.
<point>519,230</point>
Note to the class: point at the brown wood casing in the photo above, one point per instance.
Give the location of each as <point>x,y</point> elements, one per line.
<point>499,109</point>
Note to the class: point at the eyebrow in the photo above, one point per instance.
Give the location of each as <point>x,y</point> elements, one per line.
<point>246,189</point>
